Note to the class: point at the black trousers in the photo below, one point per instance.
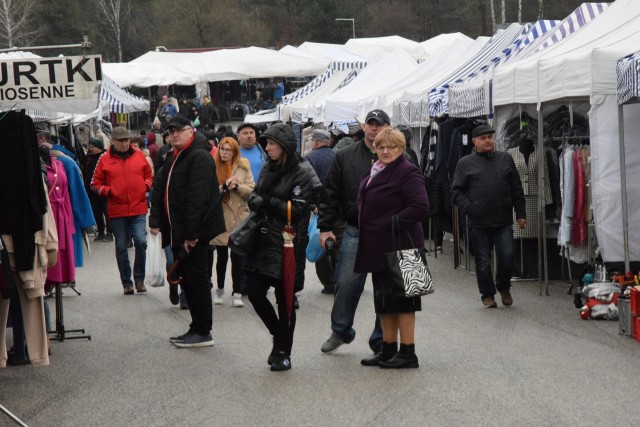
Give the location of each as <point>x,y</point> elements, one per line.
<point>195,282</point>
<point>99,208</point>
<point>279,325</point>
<point>236,269</point>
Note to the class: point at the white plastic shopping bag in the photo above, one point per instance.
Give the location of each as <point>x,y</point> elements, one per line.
<point>153,271</point>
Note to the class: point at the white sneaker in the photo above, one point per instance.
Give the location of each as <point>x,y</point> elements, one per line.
<point>237,300</point>
<point>217,297</point>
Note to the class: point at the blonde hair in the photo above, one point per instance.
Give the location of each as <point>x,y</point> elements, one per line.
<point>391,136</point>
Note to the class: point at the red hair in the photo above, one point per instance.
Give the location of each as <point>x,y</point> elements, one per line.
<point>225,170</point>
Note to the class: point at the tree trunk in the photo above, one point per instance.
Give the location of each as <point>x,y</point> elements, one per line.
<point>540,8</point>
<point>520,11</point>
<point>493,15</point>
<point>504,9</point>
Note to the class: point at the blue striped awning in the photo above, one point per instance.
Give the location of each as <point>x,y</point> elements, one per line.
<point>468,97</point>
<point>119,100</point>
<point>580,17</point>
<point>628,71</point>
<point>321,79</point>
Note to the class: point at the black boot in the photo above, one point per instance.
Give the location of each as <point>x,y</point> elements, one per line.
<point>405,358</point>
<point>282,362</point>
<point>388,351</point>
<point>274,352</point>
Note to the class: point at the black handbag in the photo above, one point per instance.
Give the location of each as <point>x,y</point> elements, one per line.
<point>407,268</point>
<point>244,238</point>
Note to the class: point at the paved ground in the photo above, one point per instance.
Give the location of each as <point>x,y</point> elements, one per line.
<point>536,363</point>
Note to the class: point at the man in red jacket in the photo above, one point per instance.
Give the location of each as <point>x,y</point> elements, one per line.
<point>123,175</point>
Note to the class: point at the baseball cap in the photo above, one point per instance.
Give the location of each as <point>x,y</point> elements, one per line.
<point>379,116</point>
<point>179,122</point>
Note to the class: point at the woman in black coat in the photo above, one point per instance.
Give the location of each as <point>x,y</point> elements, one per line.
<point>393,187</point>
<point>282,179</point>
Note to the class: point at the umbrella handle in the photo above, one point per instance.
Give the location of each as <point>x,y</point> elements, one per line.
<point>289,213</point>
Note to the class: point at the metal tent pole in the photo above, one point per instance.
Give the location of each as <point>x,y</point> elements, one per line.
<point>542,230</point>
<point>13,417</point>
<point>623,188</point>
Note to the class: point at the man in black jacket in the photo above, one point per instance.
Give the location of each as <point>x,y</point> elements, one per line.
<point>98,204</point>
<point>486,187</point>
<point>186,208</point>
<point>339,203</point>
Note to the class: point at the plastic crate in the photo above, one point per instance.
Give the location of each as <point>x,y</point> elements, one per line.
<point>635,302</point>
<point>624,317</point>
<point>635,328</point>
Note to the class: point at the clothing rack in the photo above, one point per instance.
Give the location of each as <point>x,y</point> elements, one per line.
<point>12,417</point>
<point>60,333</point>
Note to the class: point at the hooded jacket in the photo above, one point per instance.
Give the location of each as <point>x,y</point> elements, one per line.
<point>189,185</point>
<point>277,185</point>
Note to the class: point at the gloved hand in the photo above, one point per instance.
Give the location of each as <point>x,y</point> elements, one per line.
<point>258,203</point>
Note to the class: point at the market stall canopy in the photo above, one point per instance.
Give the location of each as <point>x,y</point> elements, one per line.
<point>317,49</point>
<point>582,65</point>
<point>298,105</point>
<point>119,100</point>
<point>343,103</point>
<point>435,45</point>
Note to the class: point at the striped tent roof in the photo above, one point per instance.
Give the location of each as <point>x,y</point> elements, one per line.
<point>120,100</point>
<point>628,71</point>
<point>416,111</point>
<point>468,97</point>
<point>322,79</point>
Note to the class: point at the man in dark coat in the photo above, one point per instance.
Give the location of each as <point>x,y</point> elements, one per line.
<point>186,208</point>
<point>339,203</point>
<point>486,187</point>
<point>98,204</point>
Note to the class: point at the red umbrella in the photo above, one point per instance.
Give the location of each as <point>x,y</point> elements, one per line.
<point>288,262</point>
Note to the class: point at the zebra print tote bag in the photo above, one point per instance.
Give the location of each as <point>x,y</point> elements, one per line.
<point>408,268</point>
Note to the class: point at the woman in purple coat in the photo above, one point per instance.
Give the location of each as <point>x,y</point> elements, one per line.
<point>394,186</point>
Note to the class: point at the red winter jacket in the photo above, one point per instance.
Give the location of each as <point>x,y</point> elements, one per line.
<point>125,181</point>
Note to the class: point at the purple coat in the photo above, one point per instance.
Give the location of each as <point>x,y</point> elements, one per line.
<point>397,189</point>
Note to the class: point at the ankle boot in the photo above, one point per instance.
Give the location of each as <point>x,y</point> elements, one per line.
<point>405,358</point>
<point>282,362</point>
<point>388,351</point>
<point>274,352</point>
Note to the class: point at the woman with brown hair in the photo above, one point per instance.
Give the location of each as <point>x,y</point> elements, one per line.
<point>236,184</point>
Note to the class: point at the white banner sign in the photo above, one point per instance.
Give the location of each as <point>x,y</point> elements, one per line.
<point>61,84</point>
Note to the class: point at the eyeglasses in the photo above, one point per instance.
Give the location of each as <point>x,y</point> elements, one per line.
<point>225,150</point>
<point>123,140</point>
<point>387,147</point>
<point>173,131</point>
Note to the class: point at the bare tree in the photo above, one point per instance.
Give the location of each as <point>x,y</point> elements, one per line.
<point>540,8</point>
<point>520,11</point>
<point>116,14</point>
<point>504,10</point>
<point>17,22</point>
<point>493,15</point>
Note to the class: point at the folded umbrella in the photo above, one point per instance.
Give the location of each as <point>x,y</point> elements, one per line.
<point>288,262</point>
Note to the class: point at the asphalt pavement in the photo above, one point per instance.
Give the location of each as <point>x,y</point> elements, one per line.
<point>536,363</point>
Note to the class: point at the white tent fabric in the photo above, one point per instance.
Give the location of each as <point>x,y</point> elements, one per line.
<point>628,72</point>
<point>317,49</point>
<point>431,71</point>
<point>167,68</point>
<point>292,50</point>
<point>377,48</point>
<point>298,106</point>
<point>435,44</point>
<point>472,97</point>
<point>582,65</point>
<point>343,104</point>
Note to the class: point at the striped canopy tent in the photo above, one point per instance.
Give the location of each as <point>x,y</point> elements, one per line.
<point>296,105</point>
<point>119,100</point>
<point>628,72</point>
<point>472,96</point>
<point>417,108</point>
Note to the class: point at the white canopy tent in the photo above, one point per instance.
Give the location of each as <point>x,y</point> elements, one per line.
<point>434,45</point>
<point>583,67</point>
<point>299,105</point>
<point>317,49</point>
<point>431,71</point>
<point>343,103</point>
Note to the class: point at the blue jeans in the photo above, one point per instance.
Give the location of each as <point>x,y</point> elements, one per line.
<point>136,227</point>
<point>483,241</point>
<point>349,287</point>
